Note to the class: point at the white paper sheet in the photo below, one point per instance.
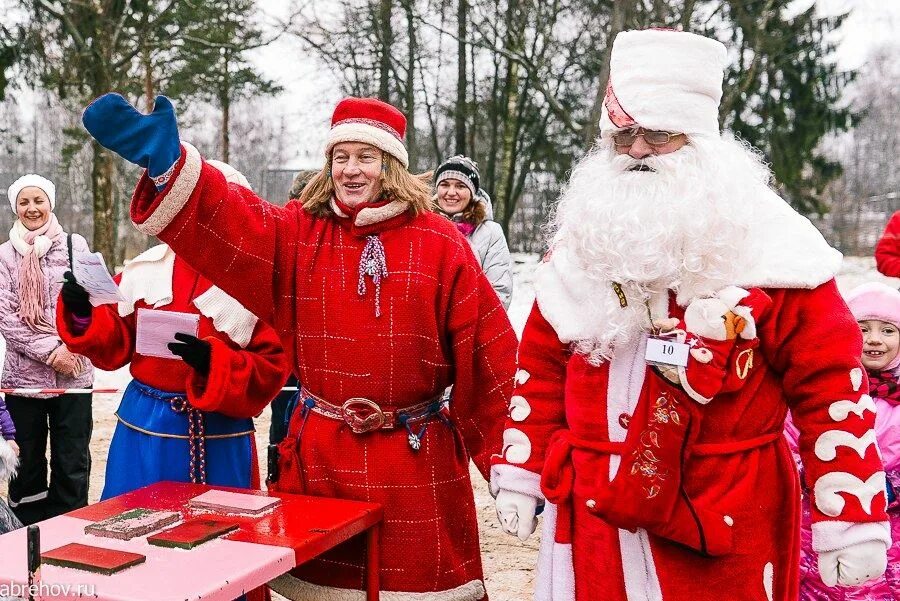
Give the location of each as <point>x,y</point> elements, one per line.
<point>156,329</point>
<point>90,271</point>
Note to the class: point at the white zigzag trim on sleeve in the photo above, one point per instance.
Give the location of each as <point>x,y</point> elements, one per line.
<point>519,409</point>
<point>516,446</point>
<point>839,410</point>
<point>522,376</point>
<point>828,442</point>
<point>828,487</point>
<point>856,378</point>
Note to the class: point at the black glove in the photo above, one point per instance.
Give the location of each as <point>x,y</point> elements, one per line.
<point>195,352</point>
<point>75,297</point>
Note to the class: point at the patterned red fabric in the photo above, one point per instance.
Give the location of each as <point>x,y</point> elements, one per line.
<point>756,488</point>
<point>441,323</point>
<point>884,385</point>
<point>241,382</point>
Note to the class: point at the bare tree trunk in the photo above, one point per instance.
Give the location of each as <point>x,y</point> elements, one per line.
<point>102,173</point>
<point>661,13</point>
<point>617,24</point>
<point>460,112</point>
<point>410,85</point>
<point>225,101</point>
<point>384,22</point>
<point>507,144</point>
<point>149,94</point>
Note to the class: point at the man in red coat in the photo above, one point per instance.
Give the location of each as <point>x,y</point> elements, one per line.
<point>381,306</point>
<point>682,310</point>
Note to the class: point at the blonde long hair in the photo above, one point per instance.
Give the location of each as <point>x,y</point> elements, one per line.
<point>397,183</point>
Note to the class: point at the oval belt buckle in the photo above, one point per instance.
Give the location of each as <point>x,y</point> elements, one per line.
<point>362,415</point>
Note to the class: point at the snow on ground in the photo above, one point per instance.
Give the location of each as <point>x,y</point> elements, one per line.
<point>508,564</point>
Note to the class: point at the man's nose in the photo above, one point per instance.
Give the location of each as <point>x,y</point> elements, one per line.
<point>640,149</point>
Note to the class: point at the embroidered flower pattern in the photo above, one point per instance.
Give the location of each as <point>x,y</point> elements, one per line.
<point>645,462</point>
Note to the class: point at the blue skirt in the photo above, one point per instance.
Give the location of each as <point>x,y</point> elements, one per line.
<point>151,444</point>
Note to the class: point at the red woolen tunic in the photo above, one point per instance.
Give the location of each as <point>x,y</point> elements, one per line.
<point>440,324</point>
<point>241,381</point>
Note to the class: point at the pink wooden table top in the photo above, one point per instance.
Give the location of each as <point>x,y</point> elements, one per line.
<point>264,547</point>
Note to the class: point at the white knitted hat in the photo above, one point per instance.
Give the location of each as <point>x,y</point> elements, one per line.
<point>665,80</point>
<point>31,179</point>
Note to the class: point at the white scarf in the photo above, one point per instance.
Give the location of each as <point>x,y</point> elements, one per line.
<point>41,244</point>
<point>148,277</point>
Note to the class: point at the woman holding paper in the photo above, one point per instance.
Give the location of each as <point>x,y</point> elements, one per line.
<point>203,367</point>
<point>32,263</point>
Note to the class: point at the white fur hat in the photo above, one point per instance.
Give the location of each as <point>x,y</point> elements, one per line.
<point>232,175</point>
<point>32,179</point>
<point>666,80</point>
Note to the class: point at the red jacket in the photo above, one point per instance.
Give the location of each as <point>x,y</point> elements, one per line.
<point>887,251</point>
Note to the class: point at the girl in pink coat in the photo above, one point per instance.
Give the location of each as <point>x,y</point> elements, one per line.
<point>876,308</point>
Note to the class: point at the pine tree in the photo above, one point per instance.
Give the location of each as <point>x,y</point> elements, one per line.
<point>210,61</point>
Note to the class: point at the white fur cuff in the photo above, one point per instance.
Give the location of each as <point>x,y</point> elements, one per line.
<point>178,194</point>
<point>516,479</point>
<point>833,536</point>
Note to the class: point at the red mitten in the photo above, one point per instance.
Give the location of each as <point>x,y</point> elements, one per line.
<point>722,334</point>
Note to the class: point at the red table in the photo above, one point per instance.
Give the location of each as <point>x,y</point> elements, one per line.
<point>297,530</point>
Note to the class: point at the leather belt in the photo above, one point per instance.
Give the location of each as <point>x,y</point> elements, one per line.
<point>365,415</point>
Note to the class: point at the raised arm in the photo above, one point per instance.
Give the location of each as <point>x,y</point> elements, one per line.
<point>225,232</point>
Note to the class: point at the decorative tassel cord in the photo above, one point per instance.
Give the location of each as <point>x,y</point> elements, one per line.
<point>196,438</point>
<point>372,263</point>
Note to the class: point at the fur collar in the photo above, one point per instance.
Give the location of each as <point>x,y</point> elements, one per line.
<point>783,250</point>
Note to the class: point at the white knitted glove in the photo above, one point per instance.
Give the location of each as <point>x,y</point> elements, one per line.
<point>516,512</point>
<point>853,565</point>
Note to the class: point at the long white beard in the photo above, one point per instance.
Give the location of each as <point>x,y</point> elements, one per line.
<point>651,232</point>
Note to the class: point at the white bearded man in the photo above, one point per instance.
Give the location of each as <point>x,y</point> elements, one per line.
<point>665,476</point>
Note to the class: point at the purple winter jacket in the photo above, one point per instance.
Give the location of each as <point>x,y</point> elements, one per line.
<point>27,351</point>
<point>7,427</point>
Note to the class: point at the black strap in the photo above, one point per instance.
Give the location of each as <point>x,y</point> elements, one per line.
<point>69,244</point>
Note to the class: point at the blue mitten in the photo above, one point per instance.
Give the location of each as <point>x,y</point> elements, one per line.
<point>150,141</point>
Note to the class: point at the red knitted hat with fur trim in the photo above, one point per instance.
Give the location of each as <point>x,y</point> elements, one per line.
<point>370,121</point>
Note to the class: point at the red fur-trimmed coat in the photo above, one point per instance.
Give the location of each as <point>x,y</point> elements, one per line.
<point>441,323</point>
<point>808,360</point>
<point>241,381</point>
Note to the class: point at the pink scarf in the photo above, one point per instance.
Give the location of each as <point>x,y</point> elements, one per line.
<point>32,245</point>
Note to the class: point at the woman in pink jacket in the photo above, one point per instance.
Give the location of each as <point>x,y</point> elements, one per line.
<point>32,263</point>
<point>876,308</point>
